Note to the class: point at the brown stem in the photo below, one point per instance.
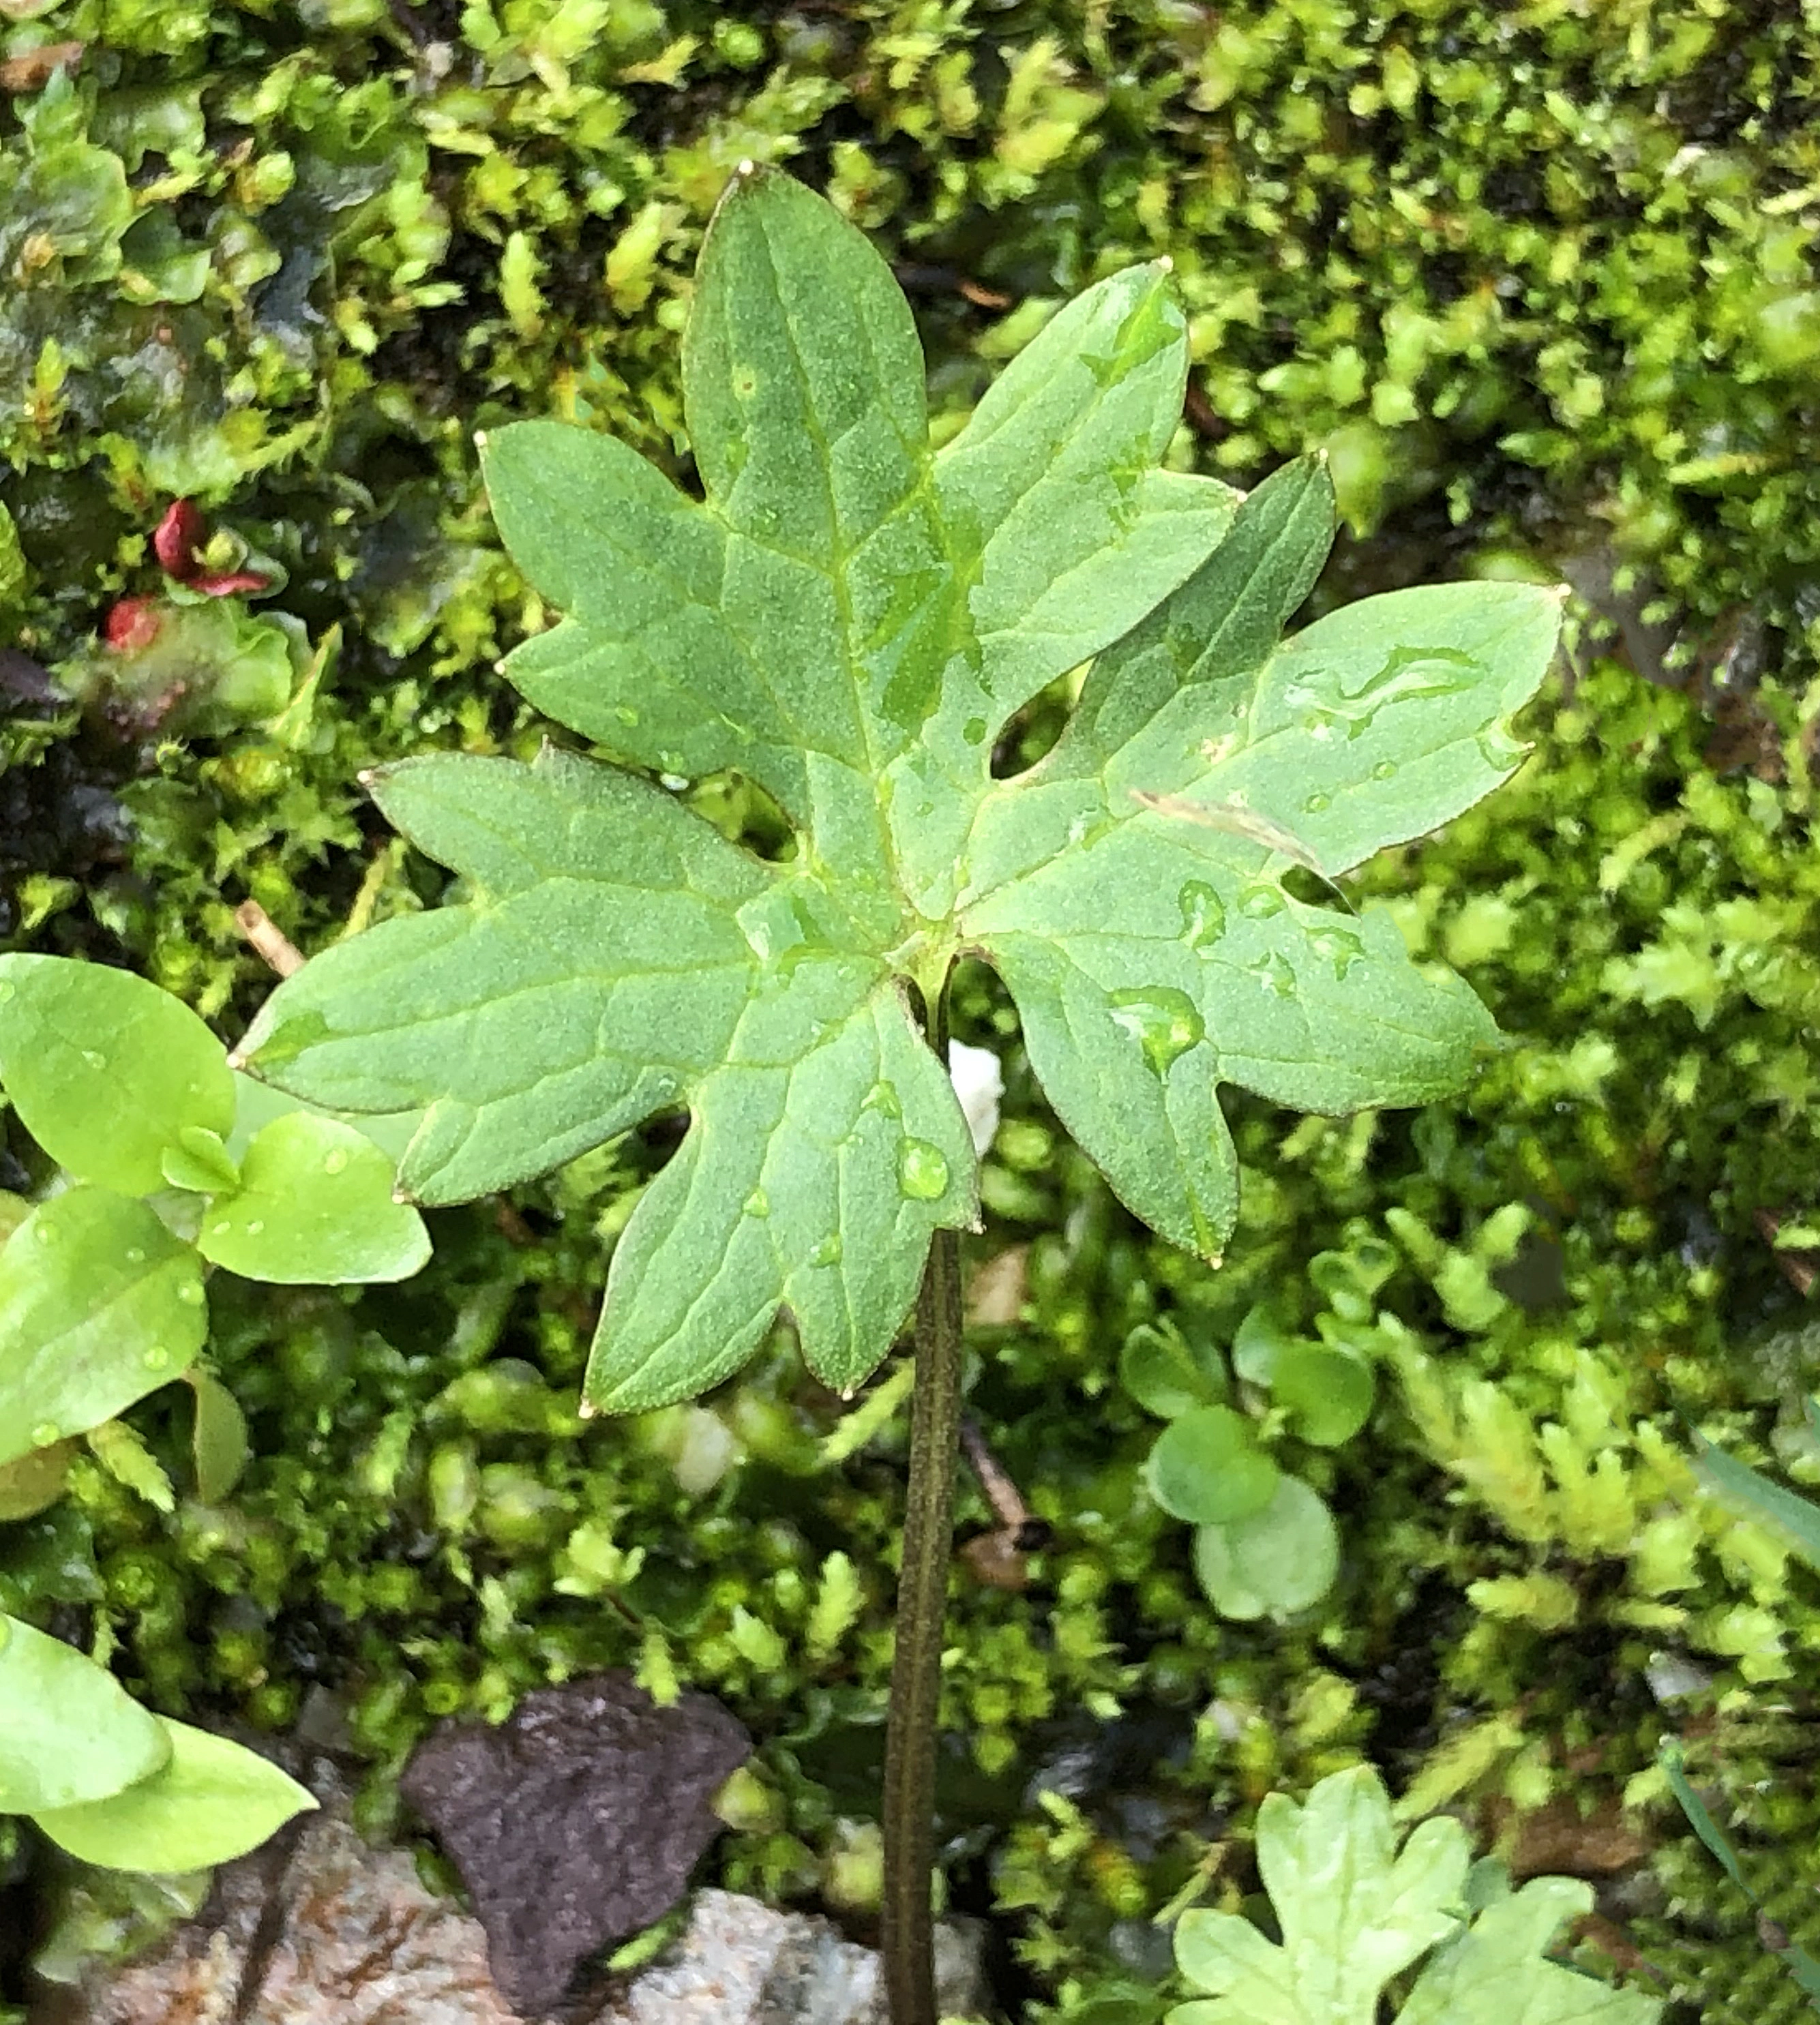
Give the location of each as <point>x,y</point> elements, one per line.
<point>916,1673</point>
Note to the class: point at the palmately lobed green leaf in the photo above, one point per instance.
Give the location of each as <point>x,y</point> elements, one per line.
<point>851,619</point>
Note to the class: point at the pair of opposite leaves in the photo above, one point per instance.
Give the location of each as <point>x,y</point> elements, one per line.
<point>850,620</point>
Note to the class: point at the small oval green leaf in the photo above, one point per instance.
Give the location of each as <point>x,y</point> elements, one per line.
<point>1273,1562</point>
<point>1163,1373</point>
<point>314,1208</point>
<point>99,1305</point>
<point>69,1732</point>
<point>1327,1391</point>
<point>1206,1467</point>
<point>199,1161</point>
<point>218,1440</point>
<point>105,1070</point>
<point>211,1800</point>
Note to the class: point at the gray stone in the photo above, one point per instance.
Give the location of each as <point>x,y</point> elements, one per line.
<point>319,1928</point>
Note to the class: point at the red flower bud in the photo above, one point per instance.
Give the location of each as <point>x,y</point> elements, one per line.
<point>178,541</point>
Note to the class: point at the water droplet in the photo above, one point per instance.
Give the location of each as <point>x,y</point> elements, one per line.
<point>254,1228</point>
<point>190,1292</point>
<point>95,1059</point>
<point>135,1255</point>
<point>974,730</point>
<point>1203,914</point>
<point>45,1433</point>
<point>1500,751</point>
<point>758,1204</point>
<point>1258,903</point>
<point>6,991</point>
<point>922,1170</point>
<point>220,1227</point>
<point>1273,972</point>
<point>1164,1023</point>
<point>1077,829</point>
<point>883,1096</point>
<point>1385,770</point>
<point>157,1357</point>
<point>827,1252</point>
<point>625,716</point>
<point>1341,947</point>
<point>1316,802</point>
<point>48,1233</point>
<point>336,1160</point>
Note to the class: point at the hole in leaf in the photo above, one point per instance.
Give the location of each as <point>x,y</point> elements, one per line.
<point>1031,731</point>
<point>744,814</point>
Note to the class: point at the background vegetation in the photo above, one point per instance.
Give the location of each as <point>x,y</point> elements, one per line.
<point>1543,279</point>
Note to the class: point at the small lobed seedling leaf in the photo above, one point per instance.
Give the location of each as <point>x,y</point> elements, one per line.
<point>850,620</point>
<point>1356,1910</point>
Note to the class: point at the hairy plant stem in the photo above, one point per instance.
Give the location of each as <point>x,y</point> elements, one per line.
<point>916,1672</point>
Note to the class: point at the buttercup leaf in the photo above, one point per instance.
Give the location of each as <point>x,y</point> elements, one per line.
<point>850,620</point>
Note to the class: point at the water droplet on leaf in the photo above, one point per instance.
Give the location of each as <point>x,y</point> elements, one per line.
<point>1385,770</point>
<point>974,730</point>
<point>254,1228</point>
<point>48,1233</point>
<point>157,1357</point>
<point>1316,802</point>
<point>758,1204</point>
<point>1341,947</point>
<point>1273,973</point>
<point>1258,903</point>
<point>336,1160</point>
<point>625,716</point>
<point>1203,914</point>
<point>190,1292</point>
<point>135,1255</point>
<point>95,1059</point>
<point>922,1170</point>
<point>883,1096</point>
<point>1164,1023</point>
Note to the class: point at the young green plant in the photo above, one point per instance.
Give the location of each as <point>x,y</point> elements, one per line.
<point>851,619</point>
<point>170,1162</point>
<point>1265,1542</point>
<point>1355,1910</point>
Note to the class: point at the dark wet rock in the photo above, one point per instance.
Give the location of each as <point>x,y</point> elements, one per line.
<point>575,1823</point>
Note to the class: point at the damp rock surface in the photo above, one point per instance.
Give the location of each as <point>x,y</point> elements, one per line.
<point>576,1822</point>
